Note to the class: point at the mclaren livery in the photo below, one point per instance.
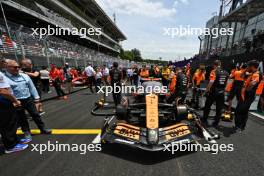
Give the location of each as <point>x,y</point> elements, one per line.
<point>148,122</point>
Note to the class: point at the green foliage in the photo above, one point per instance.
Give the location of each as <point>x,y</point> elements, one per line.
<point>135,55</point>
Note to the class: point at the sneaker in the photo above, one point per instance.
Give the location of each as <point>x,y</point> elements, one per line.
<point>27,135</point>
<point>25,140</point>
<point>17,148</point>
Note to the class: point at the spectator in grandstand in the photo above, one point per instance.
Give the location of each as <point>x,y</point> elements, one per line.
<point>68,77</point>
<point>105,74</point>
<point>9,120</point>
<point>27,68</point>
<point>25,91</point>
<point>90,73</point>
<point>248,95</point>
<point>45,78</point>
<point>57,79</point>
<point>98,79</point>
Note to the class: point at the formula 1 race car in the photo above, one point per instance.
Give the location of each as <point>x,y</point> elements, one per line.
<point>147,122</point>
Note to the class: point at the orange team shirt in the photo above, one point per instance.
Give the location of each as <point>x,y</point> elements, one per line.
<point>173,83</point>
<point>212,75</point>
<point>198,77</point>
<point>144,73</point>
<point>252,78</point>
<point>238,75</point>
<point>232,75</point>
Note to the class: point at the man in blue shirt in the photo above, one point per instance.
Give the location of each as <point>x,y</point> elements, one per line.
<point>8,120</point>
<point>25,91</point>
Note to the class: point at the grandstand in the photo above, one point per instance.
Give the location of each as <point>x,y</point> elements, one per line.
<point>247,43</point>
<point>23,15</point>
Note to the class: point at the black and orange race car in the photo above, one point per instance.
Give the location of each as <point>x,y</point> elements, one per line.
<point>147,122</point>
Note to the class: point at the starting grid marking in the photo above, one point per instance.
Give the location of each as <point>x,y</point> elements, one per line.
<point>67,131</point>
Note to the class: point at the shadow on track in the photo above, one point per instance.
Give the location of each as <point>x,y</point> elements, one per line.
<point>140,156</point>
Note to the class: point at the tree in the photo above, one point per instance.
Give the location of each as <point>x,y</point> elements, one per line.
<point>136,55</point>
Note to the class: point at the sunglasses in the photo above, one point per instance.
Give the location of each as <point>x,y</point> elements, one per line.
<point>15,67</point>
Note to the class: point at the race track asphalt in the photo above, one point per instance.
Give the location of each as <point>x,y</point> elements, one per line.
<point>247,159</point>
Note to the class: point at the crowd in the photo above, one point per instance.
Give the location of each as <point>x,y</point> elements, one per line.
<point>21,87</point>
<point>244,82</point>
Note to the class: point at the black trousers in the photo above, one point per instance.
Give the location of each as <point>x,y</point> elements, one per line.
<point>45,85</point>
<point>135,81</point>
<point>8,125</point>
<point>196,95</point>
<point>241,112</point>
<point>59,91</point>
<point>91,82</point>
<point>29,105</point>
<point>116,96</point>
<point>235,92</point>
<point>98,84</point>
<point>219,98</point>
<point>182,97</point>
<point>165,82</point>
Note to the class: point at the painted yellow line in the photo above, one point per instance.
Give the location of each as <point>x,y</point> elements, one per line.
<point>66,131</point>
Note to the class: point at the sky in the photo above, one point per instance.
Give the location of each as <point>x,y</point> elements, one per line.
<point>144,23</point>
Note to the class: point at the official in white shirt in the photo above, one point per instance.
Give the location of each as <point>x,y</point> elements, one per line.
<point>106,74</point>
<point>89,71</point>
